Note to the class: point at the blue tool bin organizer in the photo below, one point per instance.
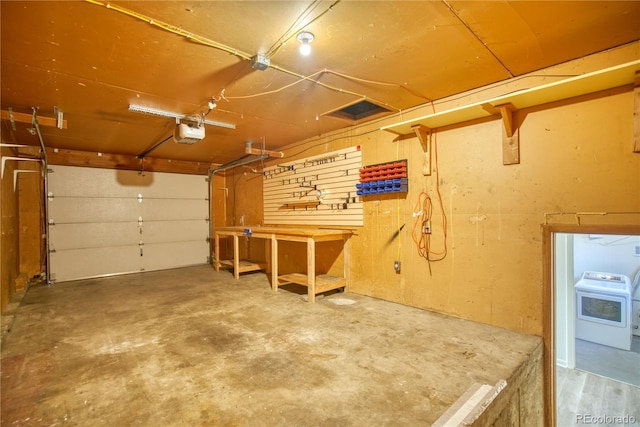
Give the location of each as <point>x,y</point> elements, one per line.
<point>383,178</point>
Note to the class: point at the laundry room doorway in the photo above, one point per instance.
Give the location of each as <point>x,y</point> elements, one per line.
<point>597,327</point>
<point>589,279</point>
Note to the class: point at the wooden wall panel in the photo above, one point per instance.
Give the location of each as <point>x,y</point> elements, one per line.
<point>31,199</point>
<point>319,190</point>
<point>219,199</point>
<point>242,188</point>
<point>576,156</point>
<point>9,238</point>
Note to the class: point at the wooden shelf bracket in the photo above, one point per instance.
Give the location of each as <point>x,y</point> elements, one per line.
<point>17,159</point>
<point>510,135</point>
<point>15,176</point>
<point>424,136</point>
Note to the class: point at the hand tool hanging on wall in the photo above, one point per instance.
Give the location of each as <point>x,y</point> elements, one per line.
<point>393,237</point>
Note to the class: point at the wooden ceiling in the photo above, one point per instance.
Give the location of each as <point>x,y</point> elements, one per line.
<point>92,60</point>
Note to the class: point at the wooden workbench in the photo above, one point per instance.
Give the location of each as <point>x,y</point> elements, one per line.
<point>241,265</point>
<point>315,283</point>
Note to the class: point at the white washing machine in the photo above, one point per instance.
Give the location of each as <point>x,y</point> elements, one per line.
<point>604,309</point>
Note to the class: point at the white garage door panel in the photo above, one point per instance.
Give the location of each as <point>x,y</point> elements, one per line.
<point>91,182</point>
<point>175,231</point>
<point>176,186</point>
<point>94,262</point>
<point>110,222</point>
<point>156,255</point>
<point>74,210</point>
<point>90,235</point>
<point>174,209</point>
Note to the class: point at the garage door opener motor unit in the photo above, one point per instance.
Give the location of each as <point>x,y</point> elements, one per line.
<point>188,133</point>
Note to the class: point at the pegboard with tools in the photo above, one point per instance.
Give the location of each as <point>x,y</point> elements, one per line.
<point>317,190</point>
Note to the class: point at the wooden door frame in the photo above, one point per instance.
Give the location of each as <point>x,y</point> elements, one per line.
<point>549,298</point>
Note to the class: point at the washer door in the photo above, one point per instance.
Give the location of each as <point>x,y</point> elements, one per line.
<point>601,308</point>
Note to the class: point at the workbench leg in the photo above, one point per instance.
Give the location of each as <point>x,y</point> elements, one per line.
<point>346,252</point>
<point>236,257</point>
<point>311,270</point>
<point>216,253</point>
<point>274,263</point>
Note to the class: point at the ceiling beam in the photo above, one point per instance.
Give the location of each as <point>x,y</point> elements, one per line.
<point>268,153</point>
<point>28,118</point>
<point>124,162</point>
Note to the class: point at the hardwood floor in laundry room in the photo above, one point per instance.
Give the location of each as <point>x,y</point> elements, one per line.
<point>583,396</point>
<point>190,347</point>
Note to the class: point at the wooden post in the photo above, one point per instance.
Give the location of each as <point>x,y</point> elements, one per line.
<point>346,253</point>
<point>311,269</point>
<point>236,256</point>
<point>216,252</point>
<point>636,114</point>
<point>274,263</point>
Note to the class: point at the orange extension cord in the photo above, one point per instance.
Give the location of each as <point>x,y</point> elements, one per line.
<point>424,206</point>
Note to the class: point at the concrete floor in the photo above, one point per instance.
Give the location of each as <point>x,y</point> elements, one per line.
<point>191,347</point>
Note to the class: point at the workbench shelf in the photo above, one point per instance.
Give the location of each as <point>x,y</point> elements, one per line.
<point>245,265</point>
<point>324,282</point>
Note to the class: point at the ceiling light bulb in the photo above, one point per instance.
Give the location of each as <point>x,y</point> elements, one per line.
<point>305,38</point>
<point>305,49</point>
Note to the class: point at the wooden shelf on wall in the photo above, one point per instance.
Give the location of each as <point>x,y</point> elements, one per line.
<point>607,78</point>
